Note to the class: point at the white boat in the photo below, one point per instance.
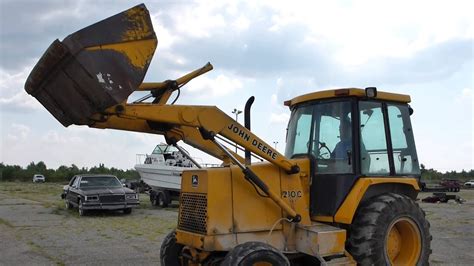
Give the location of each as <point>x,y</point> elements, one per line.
<point>162,169</point>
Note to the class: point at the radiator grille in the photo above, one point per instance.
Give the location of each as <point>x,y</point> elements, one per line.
<point>112,198</point>
<point>193,213</point>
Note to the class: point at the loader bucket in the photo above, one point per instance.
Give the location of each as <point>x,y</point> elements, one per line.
<point>94,68</point>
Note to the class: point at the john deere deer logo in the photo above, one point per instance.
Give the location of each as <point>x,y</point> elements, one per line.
<point>194,181</point>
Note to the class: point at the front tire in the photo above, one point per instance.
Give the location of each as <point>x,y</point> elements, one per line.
<point>127,210</point>
<point>81,210</point>
<point>390,229</point>
<point>170,251</point>
<point>255,253</point>
<point>68,204</point>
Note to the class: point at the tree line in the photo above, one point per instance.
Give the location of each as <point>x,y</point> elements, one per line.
<point>61,174</point>
<point>64,173</point>
<point>434,175</point>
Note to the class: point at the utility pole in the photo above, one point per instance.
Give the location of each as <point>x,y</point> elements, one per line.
<point>275,142</point>
<point>236,112</point>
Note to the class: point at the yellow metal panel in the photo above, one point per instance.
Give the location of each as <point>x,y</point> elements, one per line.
<point>346,212</point>
<point>216,185</point>
<point>187,185</point>
<point>139,53</point>
<point>190,239</point>
<point>320,239</point>
<point>251,211</point>
<point>219,208</point>
<point>351,92</point>
<point>321,218</point>
<point>295,190</point>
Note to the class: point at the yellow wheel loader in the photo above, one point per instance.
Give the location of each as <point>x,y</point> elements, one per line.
<point>343,193</point>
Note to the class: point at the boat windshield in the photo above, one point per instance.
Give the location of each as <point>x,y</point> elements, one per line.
<point>164,149</point>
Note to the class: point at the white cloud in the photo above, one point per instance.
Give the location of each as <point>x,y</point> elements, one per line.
<point>18,132</point>
<point>358,32</point>
<point>165,38</point>
<point>12,93</point>
<point>467,93</point>
<point>199,21</point>
<point>75,10</point>
<point>280,118</point>
<point>206,87</point>
<point>465,97</point>
<point>241,23</point>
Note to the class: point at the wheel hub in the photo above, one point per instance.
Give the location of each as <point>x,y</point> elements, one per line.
<point>403,242</point>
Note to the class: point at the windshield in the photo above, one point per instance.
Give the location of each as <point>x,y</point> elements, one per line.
<point>324,130</point>
<point>99,181</point>
<point>163,148</point>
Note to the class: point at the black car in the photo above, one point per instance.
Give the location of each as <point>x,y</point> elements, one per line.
<point>98,192</point>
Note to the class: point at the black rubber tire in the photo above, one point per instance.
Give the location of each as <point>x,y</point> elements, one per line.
<point>127,210</point>
<point>248,253</point>
<point>68,204</point>
<point>170,251</point>
<point>163,201</point>
<point>154,199</point>
<point>81,211</point>
<point>163,198</point>
<point>367,234</point>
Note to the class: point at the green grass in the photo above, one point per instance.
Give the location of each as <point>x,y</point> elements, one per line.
<point>5,222</point>
<point>45,193</point>
<point>38,249</point>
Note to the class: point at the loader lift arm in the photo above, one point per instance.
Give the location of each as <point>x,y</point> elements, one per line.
<point>197,126</point>
<point>87,78</point>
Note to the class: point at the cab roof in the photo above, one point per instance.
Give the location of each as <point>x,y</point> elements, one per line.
<point>346,92</point>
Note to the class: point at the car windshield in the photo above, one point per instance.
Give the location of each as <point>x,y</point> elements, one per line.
<point>99,181</point>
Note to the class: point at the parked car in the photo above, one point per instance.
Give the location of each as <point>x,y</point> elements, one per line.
<point>98,192</point>
<point>469,183</point>
<point>39,178</point>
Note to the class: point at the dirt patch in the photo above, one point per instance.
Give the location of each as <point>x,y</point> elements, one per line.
<point>452,227</point>
<point>33,217</point>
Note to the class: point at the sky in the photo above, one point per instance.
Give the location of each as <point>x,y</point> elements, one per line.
<point>273,50</point>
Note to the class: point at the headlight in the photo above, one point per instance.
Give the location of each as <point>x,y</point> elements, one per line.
<point>92,198</point>
<point>131,196</point>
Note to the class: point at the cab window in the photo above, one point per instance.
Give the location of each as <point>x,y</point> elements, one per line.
<point>299,130</point>
<point>404,154</point>
<point>373,144</point>
<point>332,135</point>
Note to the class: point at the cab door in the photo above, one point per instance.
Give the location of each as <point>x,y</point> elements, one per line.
<point>334,150</point>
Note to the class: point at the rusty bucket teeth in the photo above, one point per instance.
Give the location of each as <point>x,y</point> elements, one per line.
<point>94,68</point>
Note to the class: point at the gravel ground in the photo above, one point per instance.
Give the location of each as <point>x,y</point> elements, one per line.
<point>36,229</point>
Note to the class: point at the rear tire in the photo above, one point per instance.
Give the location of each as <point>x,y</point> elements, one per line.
<point>250,253</point>
<point>170,251</point>
<point>162,199</point>
<point>390,229</point>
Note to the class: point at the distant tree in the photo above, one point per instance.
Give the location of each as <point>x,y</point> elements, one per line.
<point>61,174</point>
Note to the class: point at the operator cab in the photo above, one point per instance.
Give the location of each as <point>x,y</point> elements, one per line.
<point>348,135</point>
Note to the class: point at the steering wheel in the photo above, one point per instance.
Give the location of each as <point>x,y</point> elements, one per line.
<point>323,152</point>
